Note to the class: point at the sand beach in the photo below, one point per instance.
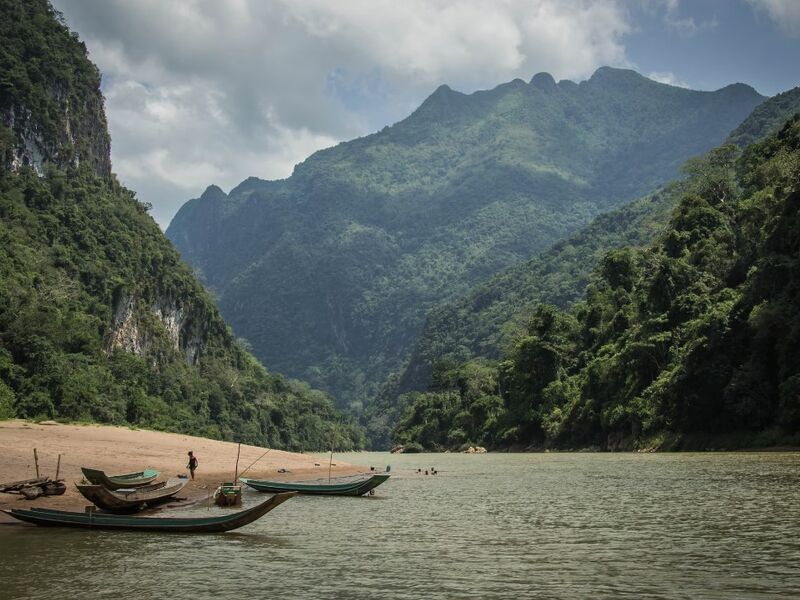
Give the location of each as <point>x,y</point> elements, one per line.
<point>122,450</point>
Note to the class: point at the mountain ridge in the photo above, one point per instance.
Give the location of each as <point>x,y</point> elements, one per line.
<point>328,273</point>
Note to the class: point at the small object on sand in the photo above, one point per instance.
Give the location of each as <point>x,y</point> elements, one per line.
<point>54,488</point>
<point>33,488</point>
<point>282,470</point>
<point>316,464</point>
<point>31,492</point>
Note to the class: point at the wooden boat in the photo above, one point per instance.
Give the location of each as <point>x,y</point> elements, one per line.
<point>93,520</point>
<point>132,499</point>
<point>350,487</point>
<point>228,494</point>
<point>118,482</point>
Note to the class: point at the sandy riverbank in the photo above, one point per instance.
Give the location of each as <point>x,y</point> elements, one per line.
<point>122,450</point>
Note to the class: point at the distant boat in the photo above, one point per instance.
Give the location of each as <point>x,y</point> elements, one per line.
<point>351,487</point>
<point>93,520</point>
<point>118,482</point>
<point>133,499</point>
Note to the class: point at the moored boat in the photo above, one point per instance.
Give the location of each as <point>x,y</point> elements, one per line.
<point>337,487</point>
<point>132,499</point>
<point>118,482</point>
<point>228,494</point>
<point>93,520</point>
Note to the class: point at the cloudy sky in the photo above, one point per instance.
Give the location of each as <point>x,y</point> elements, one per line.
<point>211,91</point>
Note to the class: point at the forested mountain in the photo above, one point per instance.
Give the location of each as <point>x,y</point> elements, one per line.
<point>329,274</point>
<point>99,318</point>
<point>493,313</point>
<point>691,342</point>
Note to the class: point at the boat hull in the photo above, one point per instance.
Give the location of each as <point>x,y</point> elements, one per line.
<point>57,518</point>
<point>119,482</point>
<point>133,500</point>
<point>351,488</point>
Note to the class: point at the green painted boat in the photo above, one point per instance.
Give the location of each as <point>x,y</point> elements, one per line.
<point>47,517</point>
<point>228,494</point>
<point>133,499</point>
<point>119,482</point>
<point>338,487</point>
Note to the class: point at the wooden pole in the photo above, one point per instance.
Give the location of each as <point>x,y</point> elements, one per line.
<point>36,461</point>
<point>330,462</point>
<point>236,470</point>
<point>58,466</point>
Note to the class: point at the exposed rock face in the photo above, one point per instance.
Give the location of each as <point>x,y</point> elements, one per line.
<point>79,141</point>
<point>146,330</point>
<point>50,97</point>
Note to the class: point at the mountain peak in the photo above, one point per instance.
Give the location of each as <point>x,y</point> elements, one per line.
<point>615,75</point>
<point>544,82</point>
<point>213,192</point>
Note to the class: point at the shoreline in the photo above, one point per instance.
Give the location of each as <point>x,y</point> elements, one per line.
<point>123,450</point>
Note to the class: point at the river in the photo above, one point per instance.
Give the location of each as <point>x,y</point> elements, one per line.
<point>712,525</point>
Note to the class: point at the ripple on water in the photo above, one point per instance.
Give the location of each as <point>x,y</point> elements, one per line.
<point>487,526</point>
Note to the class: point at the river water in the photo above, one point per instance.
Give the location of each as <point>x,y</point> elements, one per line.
<point>486,526</point>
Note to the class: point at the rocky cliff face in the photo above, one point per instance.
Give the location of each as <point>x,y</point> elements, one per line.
<point>50,96</point>
<point>143,327</point>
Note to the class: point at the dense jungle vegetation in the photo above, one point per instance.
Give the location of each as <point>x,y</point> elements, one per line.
<point>100,320</point>
<point>690,342</point>
<point>493,314</point>
<point>330,273</point>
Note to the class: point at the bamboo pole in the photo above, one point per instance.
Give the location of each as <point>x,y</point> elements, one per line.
<point>36,461</point>
<point>330,462</point>
<point>58,466</point>
<point>236,470</point>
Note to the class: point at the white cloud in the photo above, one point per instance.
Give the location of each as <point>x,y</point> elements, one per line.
<point>202,91</point>
<point>785,14</point>
<point>671,13</point>
<point>667,77</point>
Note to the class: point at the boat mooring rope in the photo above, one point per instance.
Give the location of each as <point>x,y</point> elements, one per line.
<point>254,462</point>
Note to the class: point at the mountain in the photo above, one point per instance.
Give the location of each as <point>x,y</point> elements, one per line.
<point>100,319</point>
<point>486,319</point>
<point>329,274</point>
<point>690,342</point>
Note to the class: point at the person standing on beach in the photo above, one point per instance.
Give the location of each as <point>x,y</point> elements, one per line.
<point>192,463</point>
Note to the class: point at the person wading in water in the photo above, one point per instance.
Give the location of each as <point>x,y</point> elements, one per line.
<point>192,463</point>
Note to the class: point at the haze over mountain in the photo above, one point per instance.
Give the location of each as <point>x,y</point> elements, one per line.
<point>329,274</point>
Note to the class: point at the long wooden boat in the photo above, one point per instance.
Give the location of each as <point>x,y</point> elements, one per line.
<point>118,482</point>
<point>351,487</point>
<point>93,520</point>
<point>133,499</point>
